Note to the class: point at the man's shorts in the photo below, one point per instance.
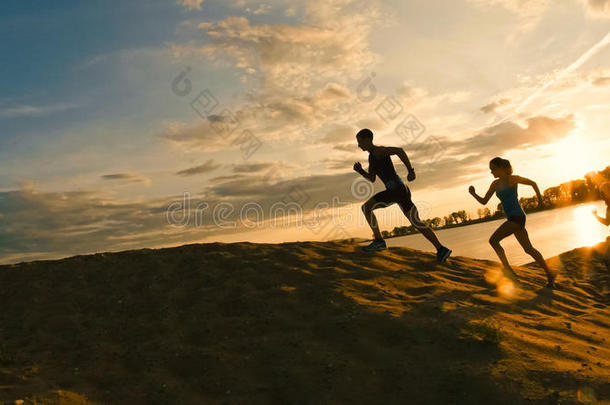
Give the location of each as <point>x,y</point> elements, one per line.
<point>395,192</point>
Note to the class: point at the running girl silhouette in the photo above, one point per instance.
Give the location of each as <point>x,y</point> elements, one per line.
<point>505,188</point>
<point>380,164</point>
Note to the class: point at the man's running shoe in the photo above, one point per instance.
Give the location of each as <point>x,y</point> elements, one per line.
<point>442,254</point>
<point>377,244</point>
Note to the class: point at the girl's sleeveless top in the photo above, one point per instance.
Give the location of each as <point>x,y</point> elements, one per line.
<point>510,200</point>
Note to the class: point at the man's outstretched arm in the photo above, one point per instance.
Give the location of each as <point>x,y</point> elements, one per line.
<point>400,152</point>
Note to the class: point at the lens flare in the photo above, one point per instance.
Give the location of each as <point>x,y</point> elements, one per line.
<point>492,276</point>
<point>589,231</point>
<point>506,287</point>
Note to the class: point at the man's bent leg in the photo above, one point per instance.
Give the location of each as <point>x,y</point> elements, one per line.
<point>413,216</point>
<point>367,209</point>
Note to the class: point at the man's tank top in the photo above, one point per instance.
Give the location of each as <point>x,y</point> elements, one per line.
<point>510,200</point>
<point>384,169</point>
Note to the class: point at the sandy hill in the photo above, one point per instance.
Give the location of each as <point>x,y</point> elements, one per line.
<point>302,323</point>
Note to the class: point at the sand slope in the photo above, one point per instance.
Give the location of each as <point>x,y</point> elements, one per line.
<point>301,323</point>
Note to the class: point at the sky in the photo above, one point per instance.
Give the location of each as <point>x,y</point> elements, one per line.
<point>146,124</point>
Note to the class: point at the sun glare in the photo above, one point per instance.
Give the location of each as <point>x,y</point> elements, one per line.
<point>573,157</point>
<point>589,231</point>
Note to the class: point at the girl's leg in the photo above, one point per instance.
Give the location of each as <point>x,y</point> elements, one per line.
<point>524,240</point>
<point>506,229</point>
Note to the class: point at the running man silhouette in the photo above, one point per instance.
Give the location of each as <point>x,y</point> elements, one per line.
<point>380,164</point>
<point>505,188</point>
<point>604,190</point>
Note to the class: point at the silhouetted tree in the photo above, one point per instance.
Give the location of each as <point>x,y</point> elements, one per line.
<point>462,215</point>
<point>552,194</point>
<point>436,222</point>
<point>579,191</point>
<point>399,231</point>
<point>528,203</point>
<point>456,217</point>
<point>499,210</point>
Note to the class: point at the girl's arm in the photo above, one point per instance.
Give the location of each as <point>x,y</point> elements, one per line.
<point>528,182</point>
<point>490,192</point>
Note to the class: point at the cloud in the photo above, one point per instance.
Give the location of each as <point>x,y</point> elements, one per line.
<point>191,4</point>
<point>199,135</point>
<point>266,189</point>
<point>340,164</point>
<point>598,8</point>
<point>601,81</point>
<point>39,224</point>
<point>305,76</point>
<point>259,166</point>
<point>407,91</point>
<point>332,42</point>
<point>492,106</point>
<point>498,139</point>
<point>346,147</point>
<point>339,134</point>
<point>529,11</point>
<point>203,168</point>
<point>274,117</point>
<point>446,172</point>
<point>34,111</point>
<point>126,178</point>
<point>261,9</point>
<point>224,178</point>
<point>441,162</point>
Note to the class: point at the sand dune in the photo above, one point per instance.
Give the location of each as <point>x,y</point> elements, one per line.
<point>302,323</point>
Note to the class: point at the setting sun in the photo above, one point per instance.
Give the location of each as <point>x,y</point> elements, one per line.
<point>573,157</point>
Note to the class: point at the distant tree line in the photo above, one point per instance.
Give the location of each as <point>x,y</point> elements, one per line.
<point>568,193</point>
